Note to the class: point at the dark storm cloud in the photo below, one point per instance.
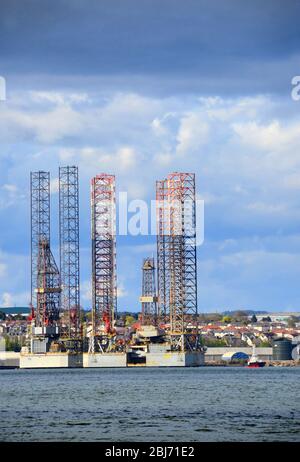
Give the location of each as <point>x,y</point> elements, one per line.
<point>192,42</point>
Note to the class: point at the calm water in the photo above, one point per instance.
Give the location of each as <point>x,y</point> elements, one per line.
<point>204,404</point>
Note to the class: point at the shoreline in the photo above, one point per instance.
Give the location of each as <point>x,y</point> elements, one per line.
<point>289,363</point>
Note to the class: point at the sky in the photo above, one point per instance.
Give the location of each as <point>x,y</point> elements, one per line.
<point>142,88</point>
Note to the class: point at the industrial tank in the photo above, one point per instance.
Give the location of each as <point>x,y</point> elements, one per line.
<point>282,349</point>
<point>296,353</point>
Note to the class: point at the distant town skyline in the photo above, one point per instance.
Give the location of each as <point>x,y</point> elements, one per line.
<point>142,89</point>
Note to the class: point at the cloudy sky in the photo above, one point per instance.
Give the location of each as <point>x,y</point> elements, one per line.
<point>141,88</point>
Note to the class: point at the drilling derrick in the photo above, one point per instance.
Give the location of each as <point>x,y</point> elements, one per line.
<point>69,253</point>
<point>40,223</point>
<point>104,283</point>
<point>45,279</point>
<point>176,256</point>
<point>149,298</point>
<point>48,290</point>
<point>163,292</point>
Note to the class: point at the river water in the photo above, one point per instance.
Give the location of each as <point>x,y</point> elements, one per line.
<point>161,405</point>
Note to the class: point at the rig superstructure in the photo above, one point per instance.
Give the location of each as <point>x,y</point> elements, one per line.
<point>177,259</point>
<point>69,256</point>
<point>45,277</point>
<point>104,275</point>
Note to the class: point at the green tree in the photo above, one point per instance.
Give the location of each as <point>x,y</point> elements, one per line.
<point>129,320</point>
<point>12,344</point>
<point>213,342</point>
<point>88,316</point>
<point>240,316</point>
<point>267,319</point>
<point>19,317</point>
<point>84,315</point>
<point>215,317</point>
<point>291,322</point>
<point>265,344</point>
<point>226,319</point>
<point>254,319</point>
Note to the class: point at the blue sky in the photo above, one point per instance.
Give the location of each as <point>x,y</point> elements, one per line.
<point>141,88</point>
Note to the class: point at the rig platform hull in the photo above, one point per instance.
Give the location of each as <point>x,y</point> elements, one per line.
<point>175,359</point>
<point>9,360</point>
<point>108,360</point>
<point>104,360</point>
<point>50,360</point>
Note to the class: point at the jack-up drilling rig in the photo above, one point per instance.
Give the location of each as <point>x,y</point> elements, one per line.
<point>45,278</point>
<point>176,257</point>
<point>104,279</point>
<point>55,319</point>
<point>69,257</point>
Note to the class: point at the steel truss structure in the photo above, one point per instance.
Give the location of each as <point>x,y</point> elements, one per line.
<point>176,257</point>
<point>149,298</point>
<point>40,223</point>
<point>45,278</point>
<point>104,279</point>
<point>48,288</point>
<point>69,251</point>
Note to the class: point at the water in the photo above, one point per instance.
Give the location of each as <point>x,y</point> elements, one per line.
<point>202,404</point>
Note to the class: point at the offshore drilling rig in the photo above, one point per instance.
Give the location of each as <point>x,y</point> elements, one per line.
<point>105,348</point>
<point>177,259</point>
<point>104,275</point>
<point>55,336</point>
<point>168,335</point>
<point>70,332</point>
<point>45,277</point>
<point>179,343</point>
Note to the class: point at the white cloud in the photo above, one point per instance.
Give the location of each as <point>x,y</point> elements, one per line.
<point>273,136</point>
<point>3,268</point>
<point>161,125</point>
<point>54,186</point>
<point>93,159</point>
<point>292,181</point>
<point>10,195</point>
<point>14,279</point>
<point>262,207</point>
<point>226,110</point>
<point>10,188</point>
<point>72,115</point>
<point>163,159</point>
<point>126,157</point>
<point>42,126</point>
<point>208,198</point>
<point>8,299</point>
<point>193,133</point>
<point>86,292</point>
<point>58,97</point>
<point>158,127</point>
<point>62,121</point>
<point>121,291</point>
